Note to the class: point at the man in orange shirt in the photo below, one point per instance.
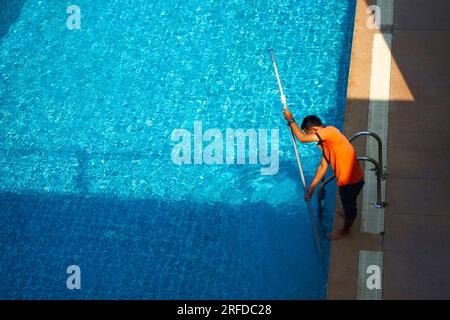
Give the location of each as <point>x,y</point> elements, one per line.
<point>337,151</point>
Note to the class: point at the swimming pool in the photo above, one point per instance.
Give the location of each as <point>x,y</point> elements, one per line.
<point>85,167</point>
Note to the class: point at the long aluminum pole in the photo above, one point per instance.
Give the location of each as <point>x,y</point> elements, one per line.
<point>299,164</point>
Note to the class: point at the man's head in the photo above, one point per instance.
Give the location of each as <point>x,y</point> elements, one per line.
<point>311,124</point>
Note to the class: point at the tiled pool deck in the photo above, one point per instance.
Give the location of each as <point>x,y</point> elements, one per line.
<point>415,246</point>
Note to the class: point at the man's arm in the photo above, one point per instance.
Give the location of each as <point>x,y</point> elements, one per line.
<point>320,173</point>
<point>302,137</point>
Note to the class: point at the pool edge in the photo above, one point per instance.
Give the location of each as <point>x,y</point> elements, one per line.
<point>343,275</point>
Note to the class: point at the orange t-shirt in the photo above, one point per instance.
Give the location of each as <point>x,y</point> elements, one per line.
<point>339,152</point>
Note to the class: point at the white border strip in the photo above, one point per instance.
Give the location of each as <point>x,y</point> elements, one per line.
<point>372,219</point>
<point>370,274</point>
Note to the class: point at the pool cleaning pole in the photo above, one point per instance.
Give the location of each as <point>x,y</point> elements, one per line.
<point>300,169</point>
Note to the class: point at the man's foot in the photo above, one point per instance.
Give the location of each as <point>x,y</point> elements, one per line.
<point>336,235</point>
<point>340,213</point>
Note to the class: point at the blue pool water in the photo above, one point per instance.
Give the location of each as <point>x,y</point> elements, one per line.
<point>86,176</point>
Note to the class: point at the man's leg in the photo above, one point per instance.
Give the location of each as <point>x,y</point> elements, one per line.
<point>348,195</point>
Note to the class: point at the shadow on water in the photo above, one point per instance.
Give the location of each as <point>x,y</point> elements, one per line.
<point>154,249</point>
<point>9,14</point>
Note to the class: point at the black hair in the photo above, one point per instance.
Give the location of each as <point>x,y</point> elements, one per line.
<point>311,121</point>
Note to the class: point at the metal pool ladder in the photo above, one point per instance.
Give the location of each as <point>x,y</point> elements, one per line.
<point>378,171</point>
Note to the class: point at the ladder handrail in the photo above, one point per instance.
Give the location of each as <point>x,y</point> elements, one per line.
<point>379,171</point>
<point>380,145</point>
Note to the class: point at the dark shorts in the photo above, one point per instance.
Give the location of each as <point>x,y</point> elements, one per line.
<point>348,194</point>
